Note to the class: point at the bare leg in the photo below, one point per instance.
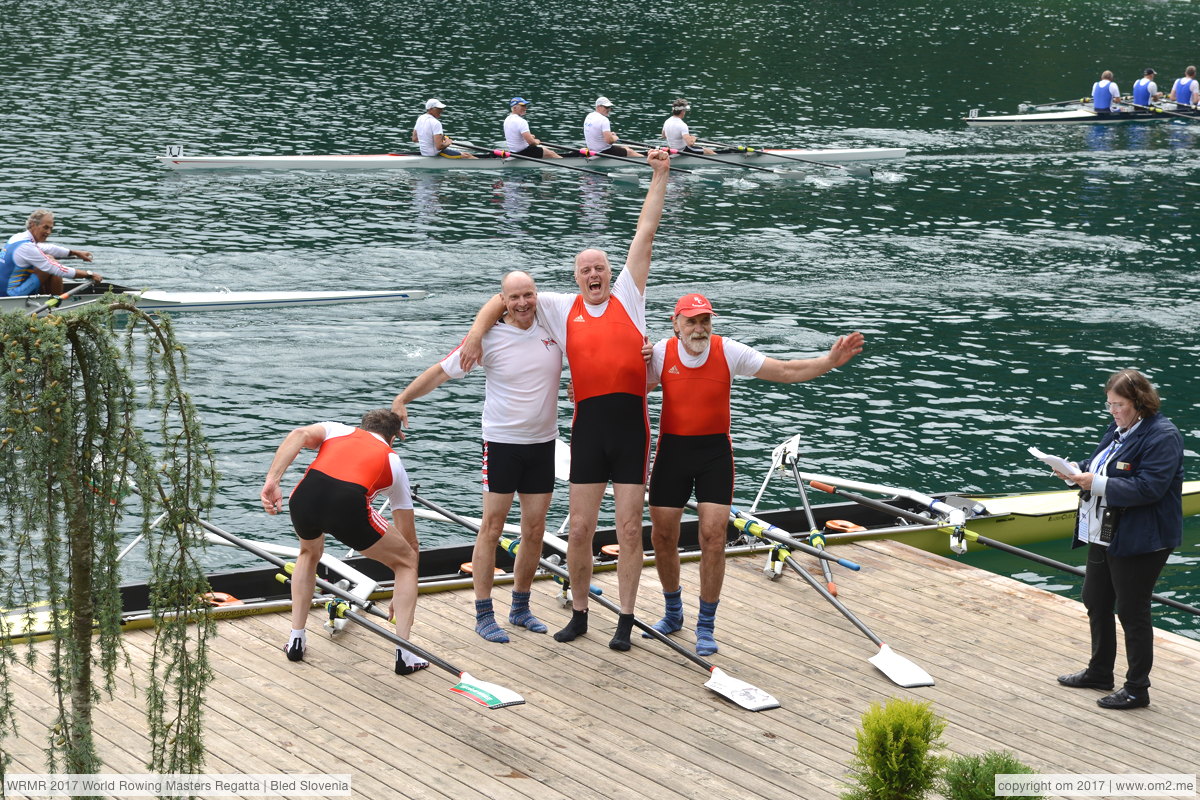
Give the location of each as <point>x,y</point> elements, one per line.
<point>304,579</point>
<point>585,511</point>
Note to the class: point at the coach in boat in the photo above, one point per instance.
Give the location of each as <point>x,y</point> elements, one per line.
<point>1130,518</point>
<point>602,330</point>
<point>1105,94</point>
<point>694,454</point>
<point>523,364</point>
<point>517,136</point>
<point>352,466</point>
<point>29,263</point>
<point>430,136</point>
<point>598,135</point>
<point>676,131</point>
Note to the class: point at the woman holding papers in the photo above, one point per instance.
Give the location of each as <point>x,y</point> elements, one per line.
<point>1130,517</point>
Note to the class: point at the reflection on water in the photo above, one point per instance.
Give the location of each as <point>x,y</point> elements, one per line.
<point>998,274</point>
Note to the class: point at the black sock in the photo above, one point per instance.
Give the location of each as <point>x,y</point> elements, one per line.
<point>576,627</point>
<point>620,639</point>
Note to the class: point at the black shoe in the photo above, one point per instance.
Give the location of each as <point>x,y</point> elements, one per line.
<point>1122,699</point>
<point>295,650</point>
<point>1082,680</point>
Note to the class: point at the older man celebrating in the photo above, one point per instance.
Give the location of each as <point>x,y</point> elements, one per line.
<point>694,452</point>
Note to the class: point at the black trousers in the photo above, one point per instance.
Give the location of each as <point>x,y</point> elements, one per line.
<point>1124,584</point>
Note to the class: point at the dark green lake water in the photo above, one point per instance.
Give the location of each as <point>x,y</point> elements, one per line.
<point>998,275</point>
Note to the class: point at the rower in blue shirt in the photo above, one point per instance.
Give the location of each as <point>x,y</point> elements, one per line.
<point>1105,94</point>
<point>1186,91</point>
<point>1146,90</point>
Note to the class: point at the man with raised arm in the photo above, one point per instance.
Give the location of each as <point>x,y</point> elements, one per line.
<point>602,329</point>
<point>694,452</point>
<point>523,363</point>
<point>352,466</point>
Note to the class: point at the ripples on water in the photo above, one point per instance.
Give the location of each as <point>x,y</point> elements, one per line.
<point>998,274</point>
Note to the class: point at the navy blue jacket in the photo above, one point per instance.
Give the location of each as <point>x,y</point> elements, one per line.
<point>1149,492</point>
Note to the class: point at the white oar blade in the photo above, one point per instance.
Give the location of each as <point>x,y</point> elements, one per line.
<point>486,694</point>
<point>899,669</point>
<point>740,692</point>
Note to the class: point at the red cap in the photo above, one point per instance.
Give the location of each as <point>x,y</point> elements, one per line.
<point>691,305</point>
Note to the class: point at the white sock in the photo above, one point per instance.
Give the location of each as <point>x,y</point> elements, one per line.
<point>301,634</point>
<point>410,660</point>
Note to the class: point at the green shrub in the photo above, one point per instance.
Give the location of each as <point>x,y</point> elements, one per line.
<point>894,759</point>
<point>974,777</point>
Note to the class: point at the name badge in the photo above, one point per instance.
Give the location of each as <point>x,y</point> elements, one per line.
<point>1124,465</point>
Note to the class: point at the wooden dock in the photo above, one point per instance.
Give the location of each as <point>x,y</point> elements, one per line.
<point>600,724</point>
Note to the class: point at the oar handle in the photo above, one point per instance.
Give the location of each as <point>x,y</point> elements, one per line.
<point>57,299</point>
<point>878,505</point>
<point>765,530</point>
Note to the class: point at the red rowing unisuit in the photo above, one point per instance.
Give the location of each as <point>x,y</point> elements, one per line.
<point>605,352</point>
<point>357,457</point>
<point>695,400</point>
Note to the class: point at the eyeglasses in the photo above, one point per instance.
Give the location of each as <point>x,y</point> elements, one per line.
<point>1115,406</point>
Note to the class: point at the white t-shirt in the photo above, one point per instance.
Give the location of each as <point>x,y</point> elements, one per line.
<point>674,129</point>
<point>742,359</point>
<point>398,494</point>
<point>428,126</point>
<point>595,125</point>
<point>514,126</point>
<point>553,308</point>
<point>39,256</point>
<point>523,368</point>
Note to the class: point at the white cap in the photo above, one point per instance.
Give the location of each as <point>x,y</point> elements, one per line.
<point>603,101</point>
<point>433,102</point>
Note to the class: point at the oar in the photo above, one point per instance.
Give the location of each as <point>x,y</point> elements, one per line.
<point>751,524</point>
<point>57,299</point>
<point>542,161</point>
<point>993,543</point>
<point>856,171</point>
<point>1161,110</point>
<point>785,173</point>
<point>589,153</point>
<point>815,537</point>
<point>742,693</point>
<point>1079,101</point>
<point>487,694</point>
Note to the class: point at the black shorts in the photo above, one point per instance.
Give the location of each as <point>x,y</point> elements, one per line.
<point>533,151</point>
<point>524,468</point>
<point>321,504</point>
<point>684,463</point>
<point>616,150</point>
<point>610,439</point>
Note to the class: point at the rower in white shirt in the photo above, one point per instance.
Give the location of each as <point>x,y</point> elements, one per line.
<point>675,130</point>
<point>598,135</point>
<point>517,136</point>
<point>429,135</point>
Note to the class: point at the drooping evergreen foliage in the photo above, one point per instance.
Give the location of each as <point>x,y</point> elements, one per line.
<point>92,427</point>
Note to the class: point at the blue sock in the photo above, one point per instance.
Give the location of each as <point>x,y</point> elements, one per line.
<point>706,645</point>
<point>485,622</point>
<point>520,614</point>
<point>672,619</point>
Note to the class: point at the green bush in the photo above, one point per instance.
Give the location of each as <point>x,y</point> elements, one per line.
<point>974,777</point>
<point>894,758</point>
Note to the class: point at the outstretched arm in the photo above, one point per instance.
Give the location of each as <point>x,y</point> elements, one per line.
<point>471,349</point>
<point>421,385</point>
<point>310,436</point>
<point>803,369</point>
<point>638,260</point>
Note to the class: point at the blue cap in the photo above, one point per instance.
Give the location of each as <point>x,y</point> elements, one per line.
<point>517,101</point>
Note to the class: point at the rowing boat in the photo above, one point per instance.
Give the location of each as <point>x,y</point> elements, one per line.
<point>768,157</point>
<point>1015,519</point>
<point>1082,116</point>
<point>223,300</point>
